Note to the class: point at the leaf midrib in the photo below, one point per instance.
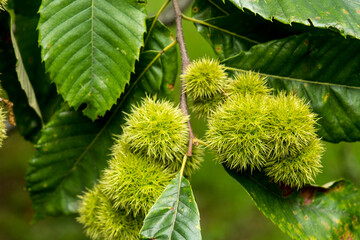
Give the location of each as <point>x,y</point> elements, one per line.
<point>92,46</point>
<point>176,207</point>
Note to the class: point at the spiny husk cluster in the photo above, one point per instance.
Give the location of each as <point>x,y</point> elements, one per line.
<point>204,83</point>
<point>292,125</point>
<point>156,129</point>
<point>246,83</point>
<point>159,131</point>
<point>299,169</point>
<point>204,78</point>
<point>135,177</point>
<point>249,128</point>
<point>102,221</point>
<point>237,132</point>
<point>138,171</point>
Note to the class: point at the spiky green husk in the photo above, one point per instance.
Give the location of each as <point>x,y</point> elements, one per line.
<point>158,130</point>
<point>2,126</point>
<point>88,211</point>
<point>133,183</point>
<point>205,107</point>
<point>292,125</point>
<point>204,78</point>
<point>247,83</point>
<point>102,221</point>
<point>238,132</point>
<point>296,171</point>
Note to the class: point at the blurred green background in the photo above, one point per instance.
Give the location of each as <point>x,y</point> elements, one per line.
<point>227,212</point>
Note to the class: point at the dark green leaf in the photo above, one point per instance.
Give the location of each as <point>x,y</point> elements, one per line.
<point>343,15</point>
<point>73,150</point>
<point>69,156</point>
<point>246,29</point>
<point>166,67</point>
<point>21,71</point>
<point>152,76</point>
<point>322,213</point>
<point>322,68</point>
<point>174,215</point>
<point>90,48</point>
<point>26,18</point>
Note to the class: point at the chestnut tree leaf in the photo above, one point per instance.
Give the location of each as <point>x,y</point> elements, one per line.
<point>244,29</point>
<point>21,71</point>
<point>25,19</point>
<point>237,30</point>
<point>90,48</point>
<point>343,15</point>
<point>324,68</point>
<point>313,212</point>
<point>73,150</point>
<point>174,215</point>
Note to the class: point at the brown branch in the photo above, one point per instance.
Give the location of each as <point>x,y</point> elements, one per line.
<point>185,61</point>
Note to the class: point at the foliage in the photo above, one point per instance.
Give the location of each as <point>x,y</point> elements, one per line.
<point>176,206</point>
<point>98,59</point>
<point>314,212</point>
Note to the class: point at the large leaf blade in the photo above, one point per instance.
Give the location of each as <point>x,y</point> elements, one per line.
<point>231,30</point>
<point>174,215</point>
<point>321,68</point>
<point>90,48</point>
<point>341,14</point>
<point>314,212</point>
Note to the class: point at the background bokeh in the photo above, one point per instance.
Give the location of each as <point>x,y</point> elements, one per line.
<point>227,212</point>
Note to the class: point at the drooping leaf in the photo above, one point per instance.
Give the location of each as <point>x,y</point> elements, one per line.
<point>73,150</point>
<point>21,71</point>
<point>25,21</point>
<point>322,68</point>
<point>314,212</point>
<point>174,215</point>
<point>90,48</point>
<point>343,15</point>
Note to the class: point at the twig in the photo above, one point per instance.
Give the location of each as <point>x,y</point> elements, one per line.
<point>185,61</point>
